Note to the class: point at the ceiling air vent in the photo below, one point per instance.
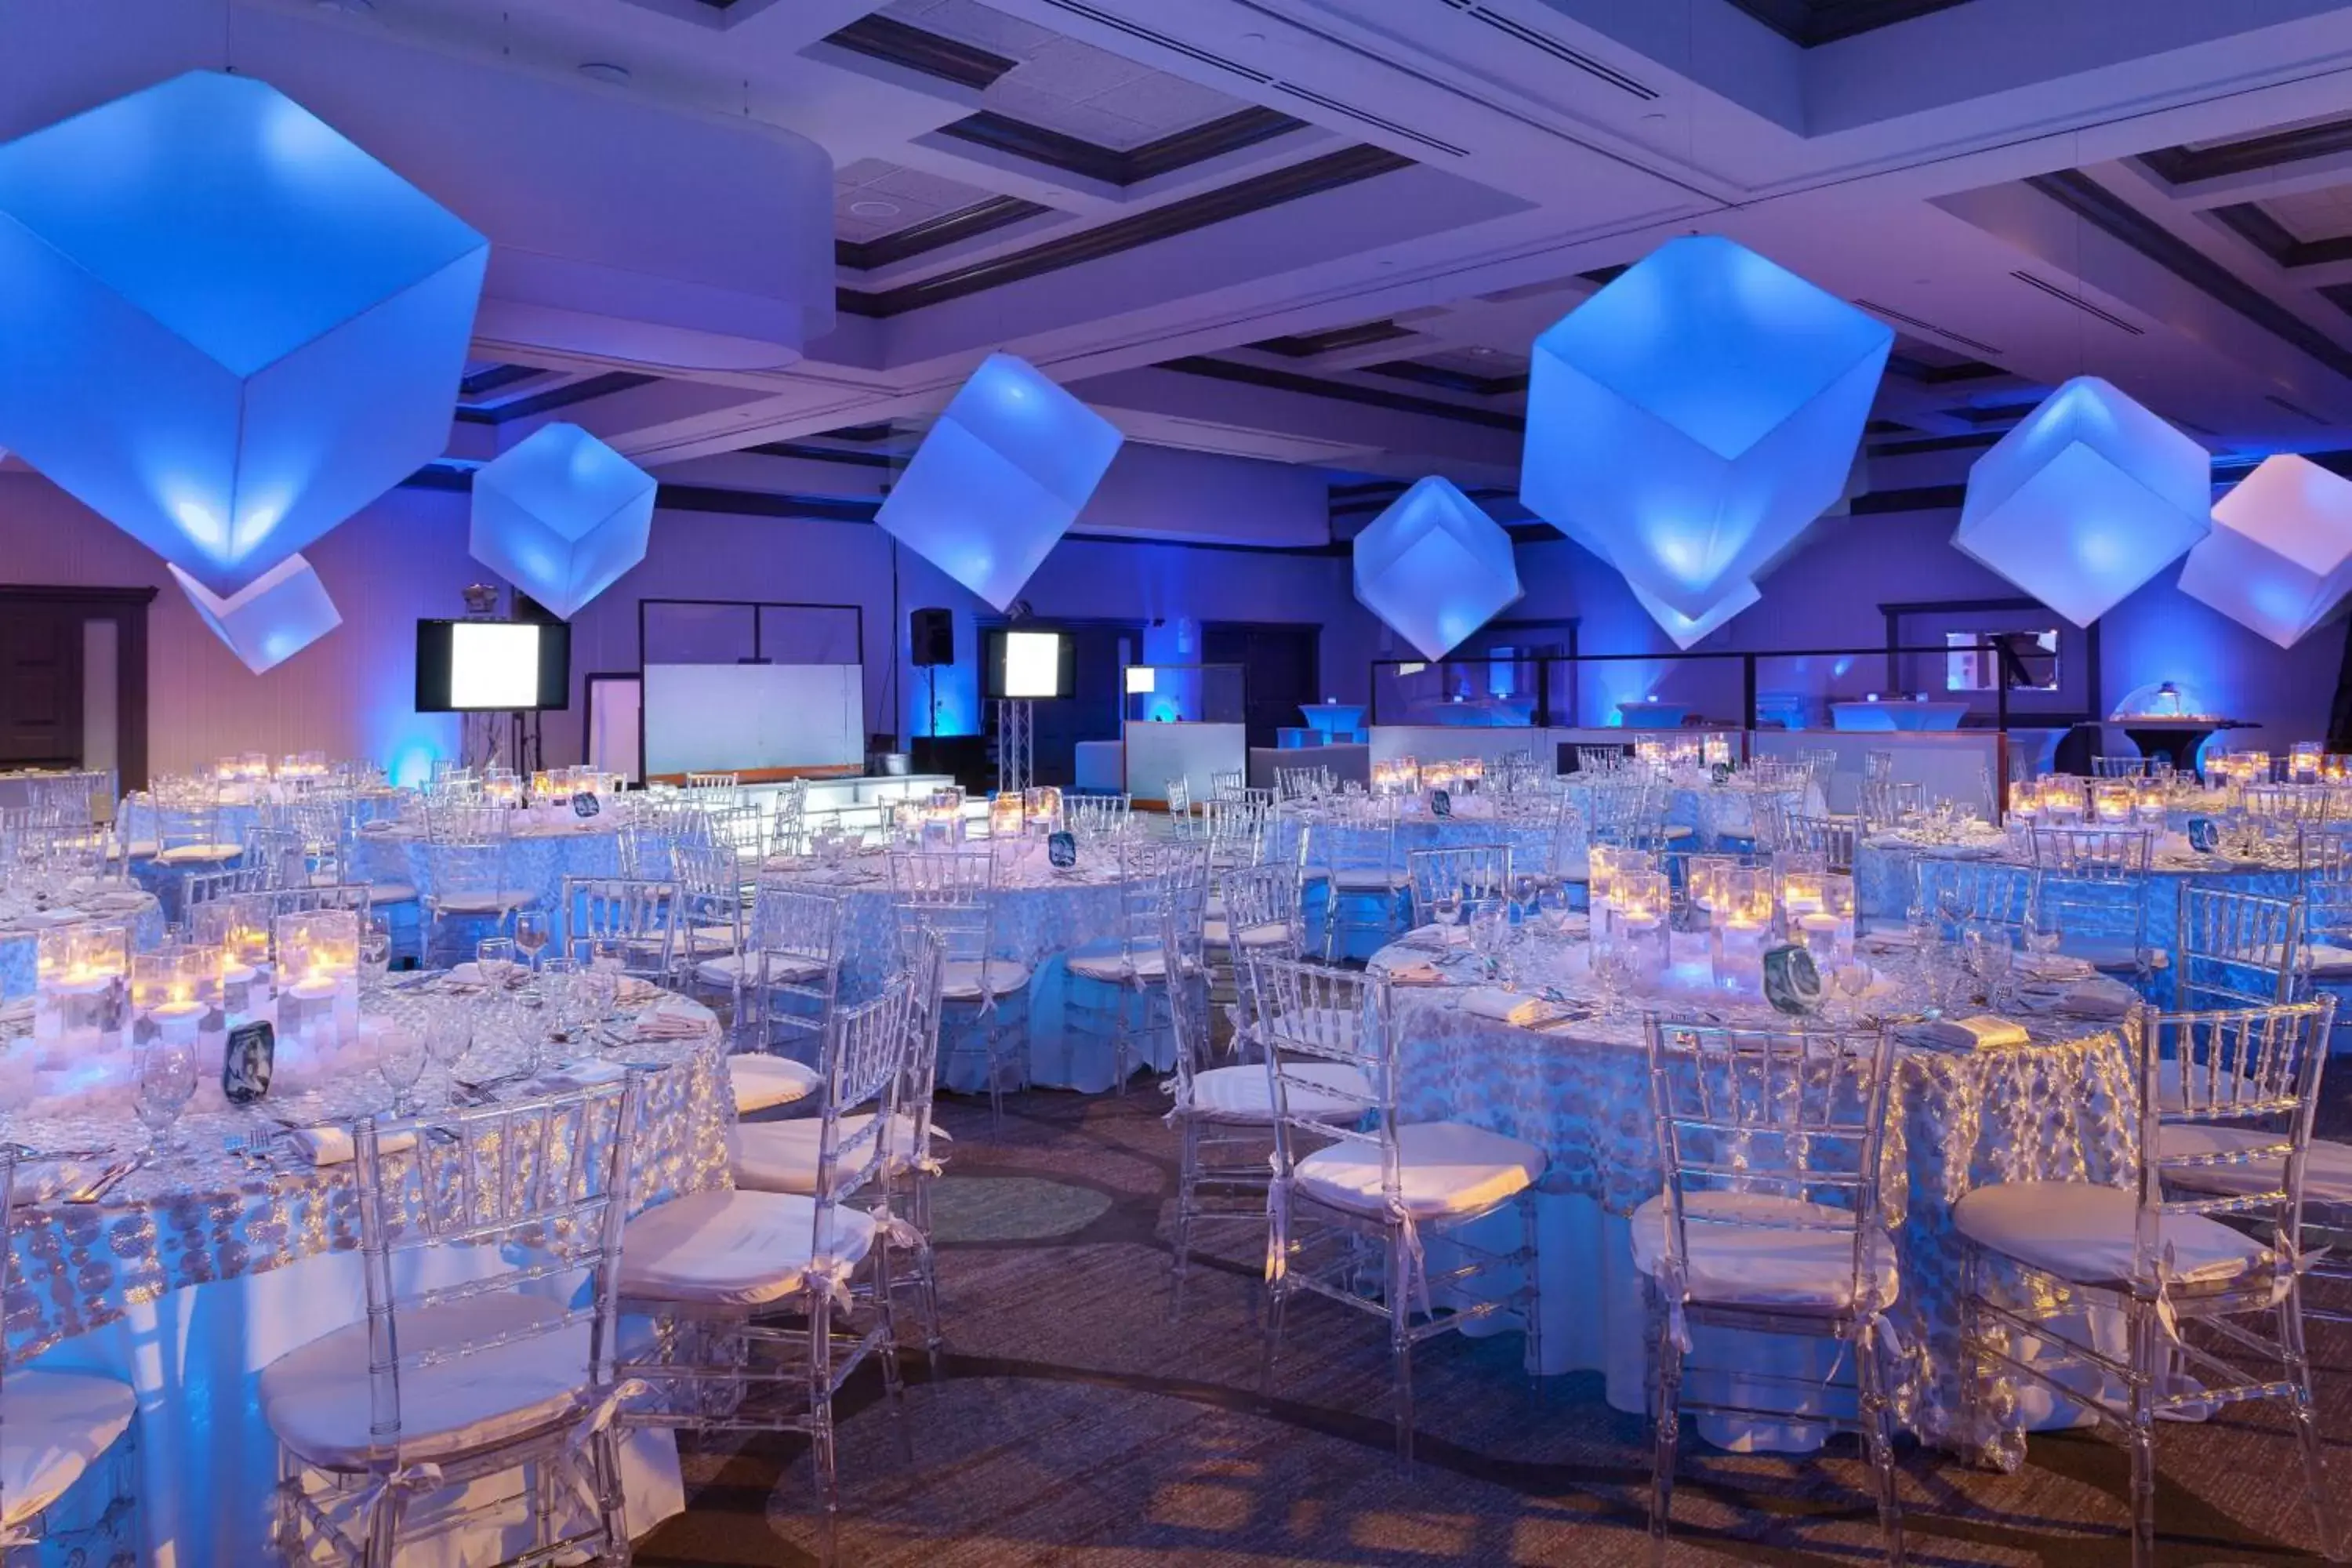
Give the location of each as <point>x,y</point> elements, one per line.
<point>1103,19</point>
<point>2055,293</point>
<point>1520,33</point>
<point>1928,326</point>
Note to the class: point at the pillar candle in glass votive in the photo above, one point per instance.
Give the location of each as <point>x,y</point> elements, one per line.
<point>1005,816</point>
<point>79,975</point>
<point>1715,751</point>
<point>319,964</point>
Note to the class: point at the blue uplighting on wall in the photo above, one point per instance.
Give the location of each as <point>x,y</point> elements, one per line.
<point>2085,500</point>
<point>226,327</point>
<point>1000,479</point>
<point>562,516</point>
<point>2279,560</point>
<point>271,619</point>
<point>1434,566</point>
<point>1689,421</point>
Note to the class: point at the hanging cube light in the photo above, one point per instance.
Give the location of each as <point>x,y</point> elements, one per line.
<point>1697,414</point>
<point>1434,567</point>
<point>2085,500</point>
<point>271,619</point>
<point>1000,479</point>
<point>561,515</point>
<point>226,327</point>
<point>2279,560</point>
<point>1686,630</point>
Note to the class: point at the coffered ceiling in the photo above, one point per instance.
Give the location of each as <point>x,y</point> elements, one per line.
<point>1328,231</point>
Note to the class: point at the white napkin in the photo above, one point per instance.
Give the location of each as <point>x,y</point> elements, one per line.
<point>1983,1032</point>
<point>2092,996</point>
<point>585,1074</point>
<point>470,973</point>
<point>1508,1006</point>
<point>45,1181</point>
<point>1420,971</point>
<point>1885,941</point>
<point>673,1018</point>
<point>2051,968</point>
<point>1437,936</point>
<point>40,919</point>
<point>332,1145</point>
<point>635,991</point>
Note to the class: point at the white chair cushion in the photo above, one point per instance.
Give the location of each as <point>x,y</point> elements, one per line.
<point>1245,1094</point>
<point>1274,933</point>
<point>199,854</point>
<point>763,1082</point>
<point>2327,1169</point>
<point>2108,953</point>
<point>960,979</point>
<point>1367,879</point>
<point>731,1248</point>
<point>316,1398</point>
<point>2084,1233</point>
<point>2326,961</point>
<point>1118,968</point>
<point>141,848</point>
<point>485,902</point>
<point>781,1156</point>
<point>391,893</point>
<point>783,969</point>
<point>52,1427</point>
<point>1446,1168</point>
<point>1745,1250</point>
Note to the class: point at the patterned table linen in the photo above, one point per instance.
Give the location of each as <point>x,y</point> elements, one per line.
<point>538,857</point>
<point>2059,1110</point>
<point>202,1215</point>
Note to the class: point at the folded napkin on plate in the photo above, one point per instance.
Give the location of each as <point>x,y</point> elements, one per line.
<point>1437,936</point>
<point>1420,971</point>
<point>2048,968</point>
<point>2092,996</point>
<point>585,1074</point>
<point>331,1145</point>
<point>45,1181</point>
<point>1508,1006</point>
<point>470,973</point>
<point>634,992</point>
<point>1885,941</point>
<point>41,918</point>
<point>1983,1032</point>
<point>674,1018</point>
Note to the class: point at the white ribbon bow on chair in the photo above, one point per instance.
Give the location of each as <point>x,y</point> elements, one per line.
<point>828,1279</point>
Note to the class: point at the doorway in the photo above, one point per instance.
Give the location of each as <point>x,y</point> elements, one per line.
<point>73,679</point>
<point>1283,671</point>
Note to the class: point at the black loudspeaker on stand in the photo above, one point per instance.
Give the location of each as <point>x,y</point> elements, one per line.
<point>931,634</point>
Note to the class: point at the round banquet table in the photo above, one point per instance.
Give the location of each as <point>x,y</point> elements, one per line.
<point>541,852</point>
<point>1041,918</point>
<point>193,1275</point>
<point>1891,868</point>
<point>1706,809</point>
<point>2058,1110</point>
<point>21,928</point>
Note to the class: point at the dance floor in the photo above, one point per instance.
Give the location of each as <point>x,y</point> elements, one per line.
<point>1073,1422</point>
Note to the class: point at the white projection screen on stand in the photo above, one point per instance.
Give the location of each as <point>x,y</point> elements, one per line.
<point>753,718</point>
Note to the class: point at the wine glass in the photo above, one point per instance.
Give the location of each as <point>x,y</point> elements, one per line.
<point>399,1057</point>
<point>1613,970</point>
<point>1551,904</point>
<point>165,1077</point>
<point>558,997</point>
<point>494,960</point>
<point>1446,908</point>
<point>448,1035</point>
<point>1987,951</point>
<point>1852,978</point>
<point>530,935</point>
<point>375,954</point>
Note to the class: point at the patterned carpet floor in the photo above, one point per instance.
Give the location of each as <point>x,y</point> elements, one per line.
<point>1072,1422</point>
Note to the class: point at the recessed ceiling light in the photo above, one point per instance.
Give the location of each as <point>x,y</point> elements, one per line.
<point>349,7</point>
<point>875,209</point>
<point>604,70</point>
<point>1480,350</point>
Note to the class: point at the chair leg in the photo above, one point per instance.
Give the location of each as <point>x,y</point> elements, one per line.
<point>605,1457</point>
<point>1668,1432</point>
<point>2147,1357</point>
<point>1878,1439</point>
<point>1188,1176</point>
<point>2306,1422</point>
<point>1530,1289</point>
<point>1400,1283</point>
<point>1278,1302</point>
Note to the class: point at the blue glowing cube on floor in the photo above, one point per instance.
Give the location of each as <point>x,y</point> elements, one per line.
<point>561,515</point>
<point>1697,416</point>
<point>2086,498</point>
<point>1686,630</point>
<point>1000,479</point>
<point>2279,560</point>
<point>271,619</point>
<point>226,327</point>
<point>1434,567</point>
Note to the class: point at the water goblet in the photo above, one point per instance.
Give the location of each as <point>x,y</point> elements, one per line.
<point>164,1073</point>
<point>1446,909</point>
<point>448,1035</point>
<point>494,960</point>
<point>399,1057</point>
<point>559,997</point>
<point>376,954</point>
<point>530,935</point>
<point>1852,978</point>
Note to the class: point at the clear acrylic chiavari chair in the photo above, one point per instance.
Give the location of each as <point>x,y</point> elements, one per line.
<point>760,1305</point>
<point>1475,876</point>
<point>2206,1234</point>
<point>1235,830</point>
<point>1770,1220</point>
<point>1118,985</point>
<point>1835,839</point>
<point>1226,782</point>
<point>2092,885</point>
<point>1178,790</point>
<point>467,861</point>
<point>2107,767</point>
<point>634,917</point>
<point>510,1367</point>
<point>2236,949</point>
<point>785,985</point>
<point>1354,853</point>
<point>1096,818</point>
<point>1356,1193</point>
<point>984,996</point>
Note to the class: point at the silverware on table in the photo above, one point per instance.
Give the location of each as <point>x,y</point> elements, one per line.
<point>105,1181</point>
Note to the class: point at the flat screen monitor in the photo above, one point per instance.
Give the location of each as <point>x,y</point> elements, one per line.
<point>492,666</point>
<point>1020,662</point>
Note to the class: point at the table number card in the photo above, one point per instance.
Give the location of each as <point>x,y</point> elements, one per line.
<point>585,804</point>
<point>1062,849</point>
<point>248,1062</point>
<point>2203,835</point>
<point>1792,982</point>
<point>1441,803</point>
